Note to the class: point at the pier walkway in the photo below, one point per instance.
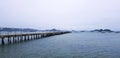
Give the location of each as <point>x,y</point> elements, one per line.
<point>14,38</point>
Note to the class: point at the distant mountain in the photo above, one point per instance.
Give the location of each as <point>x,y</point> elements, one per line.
<point>17,29</point>
<point>52,30</point>
<point>102,30</point>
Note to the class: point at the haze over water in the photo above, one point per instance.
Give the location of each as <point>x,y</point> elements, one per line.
<point>72,45</point>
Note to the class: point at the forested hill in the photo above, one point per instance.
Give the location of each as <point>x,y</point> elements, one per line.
<point>17,29</point>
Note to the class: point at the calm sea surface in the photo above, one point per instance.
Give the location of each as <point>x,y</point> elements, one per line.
<point>72,45</point>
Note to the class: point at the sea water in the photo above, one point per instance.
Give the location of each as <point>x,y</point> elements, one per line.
<point>71,45</point>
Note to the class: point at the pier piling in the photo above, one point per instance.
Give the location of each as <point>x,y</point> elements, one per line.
<point>3,43</point>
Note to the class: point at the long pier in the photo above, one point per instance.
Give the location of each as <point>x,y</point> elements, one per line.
<point>14,38</point>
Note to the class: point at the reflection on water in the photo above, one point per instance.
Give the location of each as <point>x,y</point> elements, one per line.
<point>72,45</point>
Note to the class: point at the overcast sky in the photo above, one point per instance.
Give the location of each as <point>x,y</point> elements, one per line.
<point>60,14</point>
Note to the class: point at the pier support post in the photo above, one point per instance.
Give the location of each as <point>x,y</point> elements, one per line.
<point>31,37</point>
<point>21,38</point>
<point>13,39</point>
<point>28,37</point>
<point>41,35</point>
<point>25,38</point>
<point>38,36</point>
<point>9,40</point>
<point>3,43</point>
<point>18,38</point>
<point>34,37</point>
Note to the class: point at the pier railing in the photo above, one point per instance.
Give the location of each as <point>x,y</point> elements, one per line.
<point>19,37</point>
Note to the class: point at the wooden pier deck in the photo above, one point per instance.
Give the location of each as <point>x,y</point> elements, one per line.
<point>14,38</point>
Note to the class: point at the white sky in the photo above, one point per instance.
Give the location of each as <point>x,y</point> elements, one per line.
<point>60,14</point>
